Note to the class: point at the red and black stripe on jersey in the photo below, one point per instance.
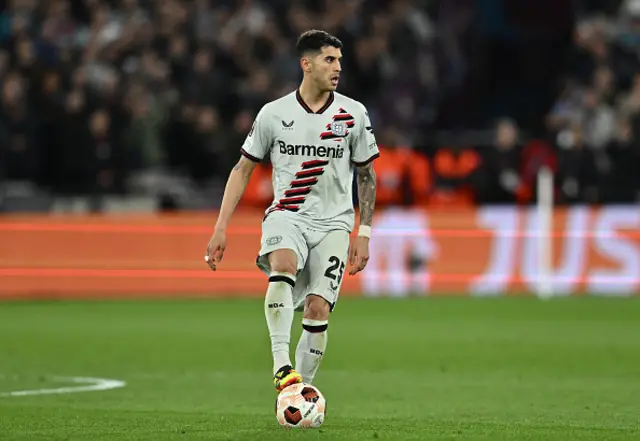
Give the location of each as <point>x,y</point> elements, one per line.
<point>301,186</point>
<point>342,116</point>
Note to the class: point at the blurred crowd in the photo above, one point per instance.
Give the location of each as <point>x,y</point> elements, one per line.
<point>116,97</point>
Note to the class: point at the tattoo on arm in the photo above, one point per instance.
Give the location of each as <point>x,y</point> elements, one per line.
<point>366,179</point>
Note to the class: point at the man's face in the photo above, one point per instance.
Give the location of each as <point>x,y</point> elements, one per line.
<point>506,136</point>
<point>325,68</point>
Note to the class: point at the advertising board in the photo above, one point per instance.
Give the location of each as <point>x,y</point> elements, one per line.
<point>484,251</point>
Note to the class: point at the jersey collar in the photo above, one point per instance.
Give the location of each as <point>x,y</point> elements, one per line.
<point>308,109</point>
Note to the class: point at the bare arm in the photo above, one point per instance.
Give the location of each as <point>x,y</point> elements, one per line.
<point>236,185</point>
<point>366,180</point>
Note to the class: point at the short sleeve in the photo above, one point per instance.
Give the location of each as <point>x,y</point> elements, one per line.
<point>258,141</point>
<point>364,147</point>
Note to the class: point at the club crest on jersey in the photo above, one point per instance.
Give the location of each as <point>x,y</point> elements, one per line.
<point>339,128</point>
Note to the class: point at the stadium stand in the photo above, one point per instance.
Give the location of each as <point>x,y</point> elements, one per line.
<point>114,101</point>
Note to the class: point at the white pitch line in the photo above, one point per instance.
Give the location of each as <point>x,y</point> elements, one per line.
<point>91,385</point>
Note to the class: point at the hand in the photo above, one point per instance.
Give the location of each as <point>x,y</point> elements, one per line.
<point>358,254</point>
<point>215,249</point>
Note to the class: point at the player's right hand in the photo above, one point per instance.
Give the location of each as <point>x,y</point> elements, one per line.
<point>215,249</point>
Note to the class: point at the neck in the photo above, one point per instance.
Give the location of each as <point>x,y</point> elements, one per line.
<point>312,95</point>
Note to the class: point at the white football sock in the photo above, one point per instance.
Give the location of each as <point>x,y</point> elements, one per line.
<point>311,347</point>
<point>278,310</point>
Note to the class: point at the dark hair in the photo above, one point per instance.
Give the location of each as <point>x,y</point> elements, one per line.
<point>314,40</point>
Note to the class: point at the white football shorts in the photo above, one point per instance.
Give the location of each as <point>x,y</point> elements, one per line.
<point>322,255</point>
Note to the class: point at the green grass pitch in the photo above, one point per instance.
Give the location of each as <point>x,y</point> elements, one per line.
<point>513,369</point>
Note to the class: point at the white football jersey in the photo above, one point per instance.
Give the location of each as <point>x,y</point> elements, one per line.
<point>313,155</point>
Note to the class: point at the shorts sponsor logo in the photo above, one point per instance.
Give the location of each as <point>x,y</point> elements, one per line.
<point>274,240</point>
<point>275,305</point>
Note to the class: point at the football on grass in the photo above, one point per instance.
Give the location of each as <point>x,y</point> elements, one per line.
<point>300,406</point>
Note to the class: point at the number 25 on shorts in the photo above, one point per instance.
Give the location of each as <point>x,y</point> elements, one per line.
<point>335,266</point>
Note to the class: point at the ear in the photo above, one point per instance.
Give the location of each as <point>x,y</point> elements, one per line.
<point>305,64</point>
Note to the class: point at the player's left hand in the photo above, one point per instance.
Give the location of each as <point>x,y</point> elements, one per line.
<point>358,254</point>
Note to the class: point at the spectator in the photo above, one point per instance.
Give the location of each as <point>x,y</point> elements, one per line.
<point>629,103</point>
<point>622,180</point>
<point>21,146</point>
<point>576,176</point>
<point>143,137</point>
<point>457,175</point>
<point>597,120</point>
<point>403,175</point>
<point>501,180</point>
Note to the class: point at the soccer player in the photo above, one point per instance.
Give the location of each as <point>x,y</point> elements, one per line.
<point>315,138</point>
